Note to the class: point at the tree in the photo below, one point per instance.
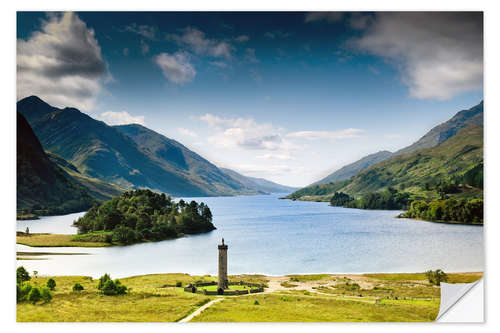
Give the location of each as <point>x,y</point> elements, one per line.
<point>436,277</point>
<point>34,295</point>
<point>22,275</point>
<point>45,295</point>
<point>51,284</point>
<point>77,287</point>
<point>27,230</point>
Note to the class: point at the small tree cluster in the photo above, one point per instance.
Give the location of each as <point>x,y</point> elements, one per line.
<point>25,292</point>
<point>109,287</point>
<point>436,277</point>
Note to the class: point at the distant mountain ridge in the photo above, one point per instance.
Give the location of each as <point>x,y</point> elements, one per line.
<point>456,144</point>
<point>437,135</point>
<point>129,156</point>
<point>258,184</point>
<point>350,170</point>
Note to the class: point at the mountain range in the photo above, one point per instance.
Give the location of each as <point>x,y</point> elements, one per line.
<point>433,138</point>
<point>129,156</point>
<point>448,151</point>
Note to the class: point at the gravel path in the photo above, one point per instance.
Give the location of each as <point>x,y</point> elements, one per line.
<point>200,310</point>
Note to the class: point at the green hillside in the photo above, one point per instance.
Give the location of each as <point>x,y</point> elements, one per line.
<point>43,188</point>
<point>437,135</point>
<point>421,174</point>
<point>96,188</point>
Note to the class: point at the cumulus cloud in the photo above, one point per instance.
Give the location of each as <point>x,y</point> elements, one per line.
<point>187,132</point>
<point>121,118</point>
<point>349,133</point>
<point>176,67</point>
<point>196,41</point>
<point>145,31</point>
<point>62,63</point>
<point>247,134</point>
<point>439,54</point>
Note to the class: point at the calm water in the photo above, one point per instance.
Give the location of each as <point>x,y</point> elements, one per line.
<point>271,236</point>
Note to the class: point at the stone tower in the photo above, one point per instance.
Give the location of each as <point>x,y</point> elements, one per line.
<point>223,283</point>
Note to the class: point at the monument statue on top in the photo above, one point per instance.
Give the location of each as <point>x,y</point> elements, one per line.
<point>223,282</point>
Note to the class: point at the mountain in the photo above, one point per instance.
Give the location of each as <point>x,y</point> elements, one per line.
<point>437,135</point>
<point>444,131</point>
<point>43,187</point>
<point>128,156</point>
<point>448,150</point>
<point>175,158</point>
<point>98,189</point>
<point>350,170</point>
<point>258,184</point>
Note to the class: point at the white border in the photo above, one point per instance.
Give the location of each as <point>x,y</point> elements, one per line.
<point>7,132</point>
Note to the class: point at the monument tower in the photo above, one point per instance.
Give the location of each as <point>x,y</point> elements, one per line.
<point>223,283</point>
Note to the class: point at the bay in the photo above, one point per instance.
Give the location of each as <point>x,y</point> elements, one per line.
<point>270,236</point>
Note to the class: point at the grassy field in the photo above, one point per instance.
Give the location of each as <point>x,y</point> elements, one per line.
<point>296,307</point>
<point>54,240</point>
<point>313,298</point>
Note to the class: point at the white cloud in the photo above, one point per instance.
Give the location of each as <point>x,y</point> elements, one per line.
<point>146,31</point>
<point>271,156</point>
<point>187,132</point>
<point>176,67</point>
<point>247,134</point>
<point>349,133</point>
<point>439,54</point>
<point>121,118</point>
<point>258,169</point>
<point>196,41</point>
<point>62,63</point>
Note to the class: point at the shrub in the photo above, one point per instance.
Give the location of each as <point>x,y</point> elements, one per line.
<point>22,275</point>
<point>77,287</point>
<point>436,277</point>
<point>46,295</point>
<point>178,284</point>
<point>34,295</point>
<point>256,302</point>
<point>51,284</point>
<point>109,287</point>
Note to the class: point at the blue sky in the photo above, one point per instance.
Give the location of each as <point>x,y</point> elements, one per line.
<point>285,96</point>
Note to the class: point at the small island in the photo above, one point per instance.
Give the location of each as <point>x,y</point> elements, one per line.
<point>140,216</point>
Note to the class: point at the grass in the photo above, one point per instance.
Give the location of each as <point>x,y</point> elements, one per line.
<point>146,301</point>
<point>54,240</point>
<point>295,307</point>
<point>452,277</point>
<point>232,287</point>
<point>287,284</point>
<point>387,297</point>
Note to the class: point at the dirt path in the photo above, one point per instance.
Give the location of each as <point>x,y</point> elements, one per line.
<point>200,310</point>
